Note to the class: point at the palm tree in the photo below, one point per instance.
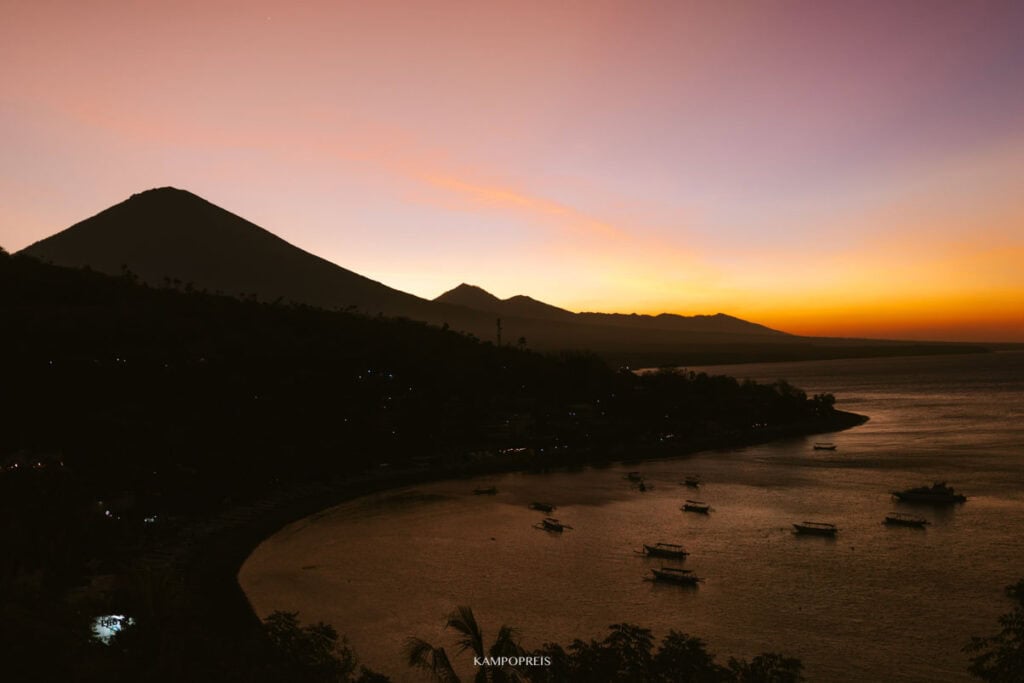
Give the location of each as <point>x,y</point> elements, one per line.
<point>434,660</point>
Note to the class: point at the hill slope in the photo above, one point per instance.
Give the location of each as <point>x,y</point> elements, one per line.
<point>168,233</point>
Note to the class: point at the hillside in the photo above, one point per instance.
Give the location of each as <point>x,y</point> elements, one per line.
<point>166,235</point>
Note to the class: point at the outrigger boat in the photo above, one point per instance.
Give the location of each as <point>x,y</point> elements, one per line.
<point>685,577</point>
<point>936,494</point>
<point>696,506</point>
<point>551,524</point>
<point>903,519</point>
<point>824,446</point>
<point>543,507</point>
<point>664,550</point>
<point>493,490</point>
<point>816,528</point>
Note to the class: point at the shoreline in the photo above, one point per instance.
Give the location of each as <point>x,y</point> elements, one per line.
<point>210,570</point>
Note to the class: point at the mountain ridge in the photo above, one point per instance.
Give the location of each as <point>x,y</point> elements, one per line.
<point>172,238</point>
<point>474,296</point>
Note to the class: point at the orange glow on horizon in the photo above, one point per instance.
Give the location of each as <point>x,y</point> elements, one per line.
<point>819,168</point>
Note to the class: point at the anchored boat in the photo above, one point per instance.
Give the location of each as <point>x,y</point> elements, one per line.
<point>665,550</point>
<point>936,494</point>
<point>685,577</point>
<point>551,524</point>
<point>816,528</point>
<point>696,506</point>
<point>903,519</point>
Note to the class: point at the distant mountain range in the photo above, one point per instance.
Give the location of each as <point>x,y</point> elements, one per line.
<point>171,237</point>
<point>474,297</point>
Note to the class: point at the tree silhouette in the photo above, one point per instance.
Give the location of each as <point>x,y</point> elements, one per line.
<point>311,654</point>
<point>769,667</point>
<point>626,655</point>
<point>1000,658</point>
<point>434,660</point>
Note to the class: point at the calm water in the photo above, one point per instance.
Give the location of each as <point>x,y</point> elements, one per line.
<point>876,603</point>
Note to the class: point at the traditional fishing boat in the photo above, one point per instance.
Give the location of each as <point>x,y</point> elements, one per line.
<point>634,476</point>
<point>665,550</point>
<point>685,577</point>
<point>693,482</point>
<point>824,446</point>
<point>936,494</point>
<point>543,507</point>
<point>816,528</point>
<point>903,519</point>
<point>490,491</point>
<point>697,506</point>
<point>551,524</point>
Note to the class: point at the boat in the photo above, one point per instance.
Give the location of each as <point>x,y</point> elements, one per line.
<point>936,494</point>
<point>824,446</point>
<point>552,524</point>
<point>675,575</point>
<point>634,476</point>
<point>490,491</point>
<point>543,507</point>
<point>692,482</point>
<point>816,528</point>
<point>903,519</point>
<point>665,550</point>
<point>696,506</point>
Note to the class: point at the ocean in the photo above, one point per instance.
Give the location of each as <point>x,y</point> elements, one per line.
<point>874,603</point>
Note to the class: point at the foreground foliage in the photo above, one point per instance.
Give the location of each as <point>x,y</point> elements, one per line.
<point>1000,658</point>
<point>625,655</point>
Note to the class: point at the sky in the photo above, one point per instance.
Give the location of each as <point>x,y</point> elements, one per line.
<point>826,168</point>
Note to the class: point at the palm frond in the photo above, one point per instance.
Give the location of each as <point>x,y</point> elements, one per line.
<point>422,655</point>
<point>471,637</point>
<point>505,645</point>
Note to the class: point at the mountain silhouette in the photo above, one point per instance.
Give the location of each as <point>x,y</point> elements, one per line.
<point>476,298</point>
<point>168,237</point>
<point>168,234</point>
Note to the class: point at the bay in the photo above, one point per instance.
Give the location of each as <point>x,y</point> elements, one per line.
<point>876,603</point>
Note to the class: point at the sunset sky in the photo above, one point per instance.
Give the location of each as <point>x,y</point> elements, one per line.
<point>825,168</point>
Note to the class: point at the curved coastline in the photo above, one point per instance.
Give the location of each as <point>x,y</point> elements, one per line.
<point>210,572</point>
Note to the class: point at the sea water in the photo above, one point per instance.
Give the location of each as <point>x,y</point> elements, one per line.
<point>874,603</point>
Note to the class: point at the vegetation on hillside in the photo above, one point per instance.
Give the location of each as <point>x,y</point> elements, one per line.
<point>133,411</point>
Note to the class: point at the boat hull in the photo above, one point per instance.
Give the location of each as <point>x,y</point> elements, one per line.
<point>654,551</point>
<point>814,531</point>
<point>674,577</point>
<point>896,521</point>
<point>929,498</point>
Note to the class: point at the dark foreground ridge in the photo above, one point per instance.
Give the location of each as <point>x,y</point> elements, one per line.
<point>155,436</point>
